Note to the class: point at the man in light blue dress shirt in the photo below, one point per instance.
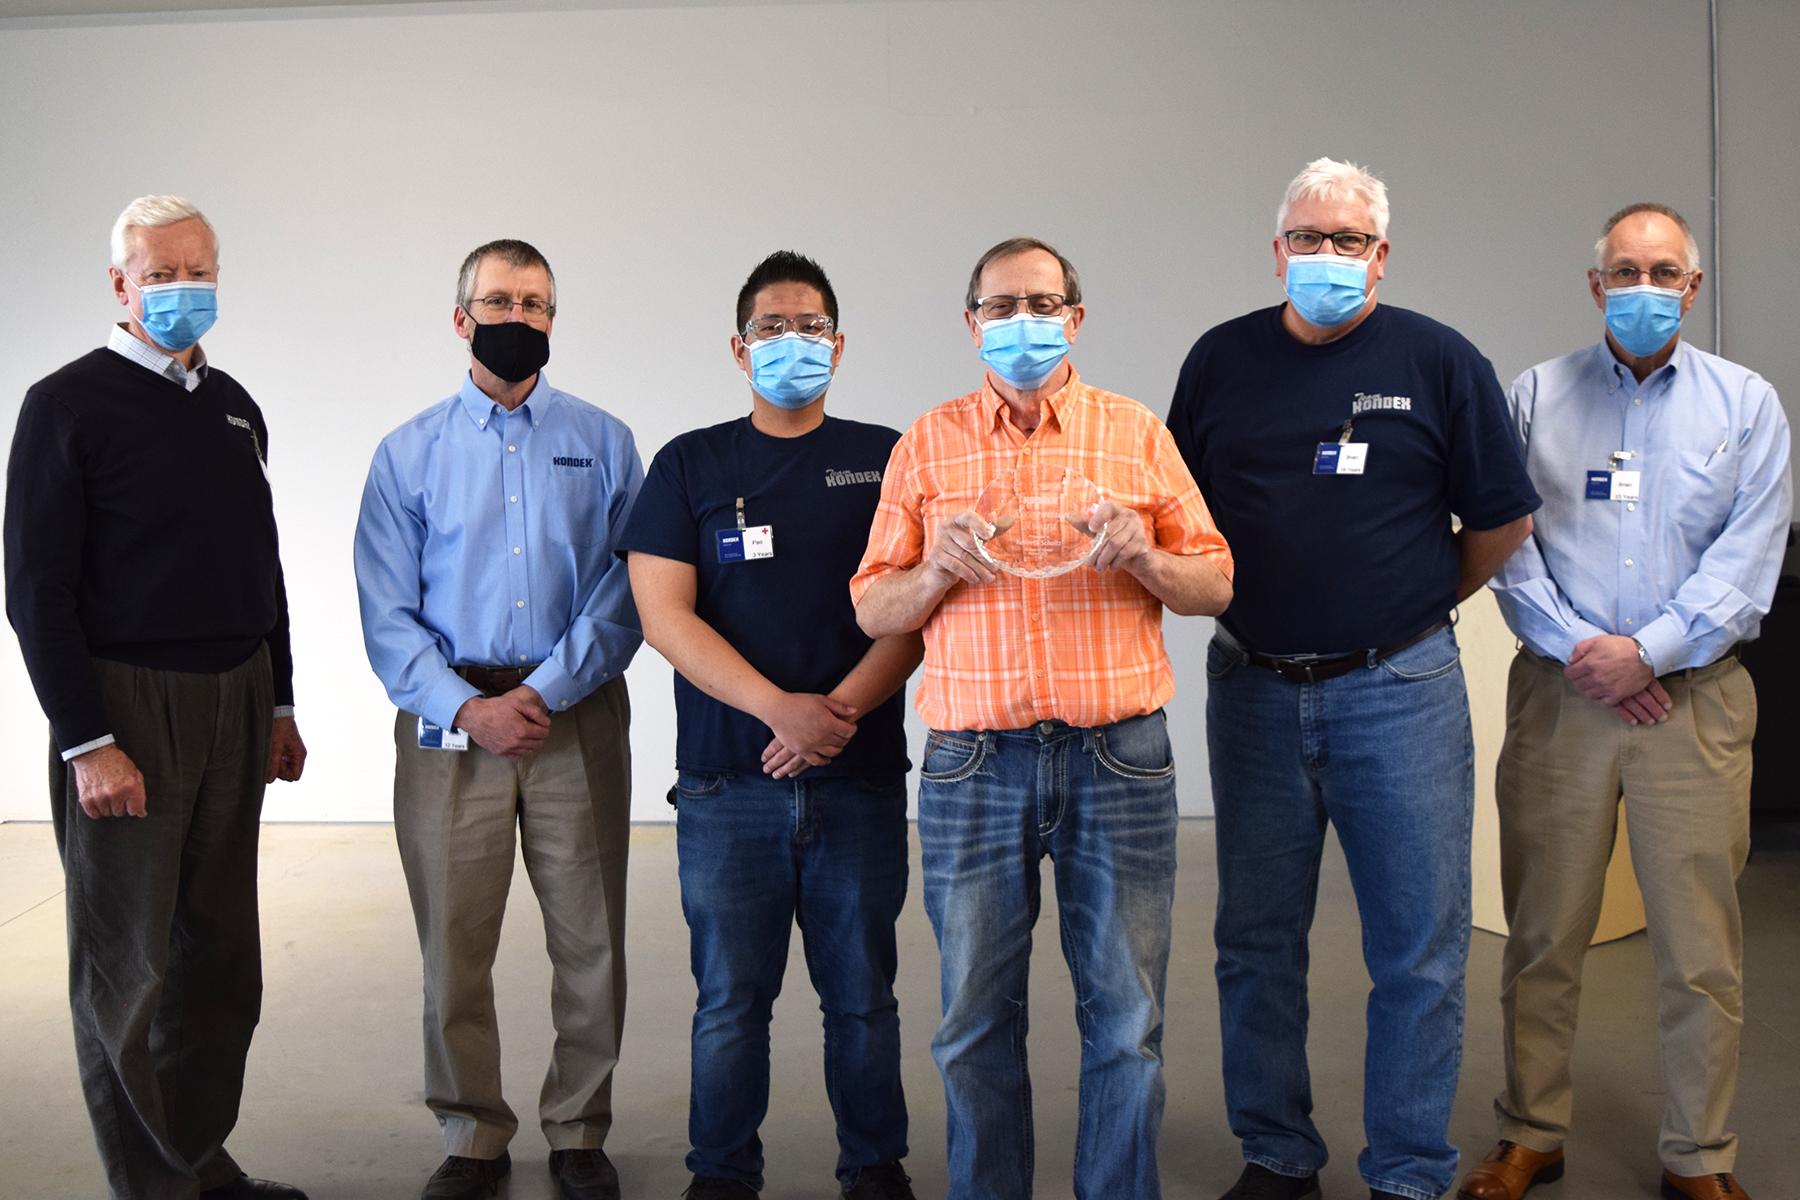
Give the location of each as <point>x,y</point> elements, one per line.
<point>500,621</point>
<point>1664,473</point>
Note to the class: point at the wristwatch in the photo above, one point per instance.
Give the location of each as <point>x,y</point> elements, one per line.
<point>1644,655</point>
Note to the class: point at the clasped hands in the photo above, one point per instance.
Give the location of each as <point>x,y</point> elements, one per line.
<point>1607,670</point>
<point>954,554</point>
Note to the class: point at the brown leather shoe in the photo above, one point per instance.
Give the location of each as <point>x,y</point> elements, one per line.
<point>1508,1172</point>
<point>1721,1186</point>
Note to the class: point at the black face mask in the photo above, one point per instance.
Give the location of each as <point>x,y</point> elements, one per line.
<point>512,350</point>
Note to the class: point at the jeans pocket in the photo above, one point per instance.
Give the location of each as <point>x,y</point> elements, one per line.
<point>950,758</point>
<point>1432,658</point>
<point>1221,660</point>
<point>1136,749</point>
<point>692,786</point>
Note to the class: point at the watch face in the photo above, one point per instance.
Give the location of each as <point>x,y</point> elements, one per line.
<point>1039,514</point>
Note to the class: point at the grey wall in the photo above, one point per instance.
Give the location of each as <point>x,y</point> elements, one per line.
<point>351,157</point>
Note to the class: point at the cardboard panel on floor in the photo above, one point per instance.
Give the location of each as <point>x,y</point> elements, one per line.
<point>1488,647</point>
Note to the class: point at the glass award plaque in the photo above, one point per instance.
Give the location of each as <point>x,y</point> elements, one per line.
<point>1039,514</point>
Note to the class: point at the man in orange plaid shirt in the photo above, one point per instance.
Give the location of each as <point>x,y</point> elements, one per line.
<point>1044,696</point>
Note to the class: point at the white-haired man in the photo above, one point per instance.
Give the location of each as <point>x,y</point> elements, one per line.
<point>501,625</point>
<point>1334,439</point>
<point>1664,471</point>
<point>143,579</point>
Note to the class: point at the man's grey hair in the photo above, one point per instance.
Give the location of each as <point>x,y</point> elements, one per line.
<point>150,212</point>
<point>1013,247</point>
<point>1334,180</point>
<point>513,253</point>
<point>1631,210</point>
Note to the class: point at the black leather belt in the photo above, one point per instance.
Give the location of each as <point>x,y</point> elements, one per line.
<point>495,681</point>
<point>1313,669</point>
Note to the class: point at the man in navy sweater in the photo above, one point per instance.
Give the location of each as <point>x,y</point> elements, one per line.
<point>143,579</point>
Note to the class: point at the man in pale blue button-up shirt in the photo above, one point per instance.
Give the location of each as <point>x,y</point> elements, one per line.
<point>1664,473</point>
<point>501,622</point>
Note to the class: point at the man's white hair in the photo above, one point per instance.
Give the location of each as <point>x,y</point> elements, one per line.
<point>149,212</point>
<point>1632,210</point>
<point>1336,180</point>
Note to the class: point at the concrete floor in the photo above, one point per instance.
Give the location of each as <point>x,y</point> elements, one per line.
<point>333,1097</point>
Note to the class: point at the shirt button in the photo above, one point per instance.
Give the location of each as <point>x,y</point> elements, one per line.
<point>1628,508</point>
<point>565,703</point>
<point>512,449</point>
<point>515,549</point>
<point>1034,616</point>
<point>521,658</point>
<point>514,499</point>
<point>1628,562</point>
<point>1629,621</point>
<point>522,603</point>
<point>1637,399</point>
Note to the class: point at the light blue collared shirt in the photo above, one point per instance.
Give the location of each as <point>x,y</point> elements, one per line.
<point>1688,568</point>
<point>486,538</point>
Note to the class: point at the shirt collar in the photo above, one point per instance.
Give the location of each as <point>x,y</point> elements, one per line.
<point>153,358</point>
<point>480,406</point>
<point>1618,375</point>
<point>1058,406</point>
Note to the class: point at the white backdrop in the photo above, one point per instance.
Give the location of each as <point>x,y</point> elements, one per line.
<point>351,157</point>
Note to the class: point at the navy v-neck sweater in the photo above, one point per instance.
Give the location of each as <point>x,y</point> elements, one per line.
<point>139,528</point>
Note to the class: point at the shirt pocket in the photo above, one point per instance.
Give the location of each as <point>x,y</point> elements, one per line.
<point>1702,487</point>
<point>572,508</point>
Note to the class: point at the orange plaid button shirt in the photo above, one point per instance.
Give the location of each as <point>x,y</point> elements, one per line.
<point>1083,647</point>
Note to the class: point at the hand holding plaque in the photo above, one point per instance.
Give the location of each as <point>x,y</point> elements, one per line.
<point>1040,515</point>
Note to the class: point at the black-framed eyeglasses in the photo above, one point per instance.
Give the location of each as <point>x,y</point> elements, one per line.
<point>1311,241</point>
<point>1038,304</point>
<point>806,324</point>
<point>498,308</point>
<point>1665,276</point>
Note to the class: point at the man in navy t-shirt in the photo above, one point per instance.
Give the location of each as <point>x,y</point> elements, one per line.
<point>791,796</point>
<point>1333,441</point>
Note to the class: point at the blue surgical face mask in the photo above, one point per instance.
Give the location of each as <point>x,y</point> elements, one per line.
<point>1644,318</point>
<point>1327,289</point>
<point>176,315</point>
<point>793,370</point>
<point>1023,349</point>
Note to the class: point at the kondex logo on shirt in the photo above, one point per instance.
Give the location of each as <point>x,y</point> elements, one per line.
<point>564,460</point>
<point>842,478</point>
<point>1375,401</point>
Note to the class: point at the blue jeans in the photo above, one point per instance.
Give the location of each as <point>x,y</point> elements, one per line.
<point>1101,803</point>
<point>756,855</point>
<point>1384,754</point>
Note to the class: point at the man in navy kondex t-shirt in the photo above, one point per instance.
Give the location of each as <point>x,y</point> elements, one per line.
<point>791,794</point>
<point>1334,440</point>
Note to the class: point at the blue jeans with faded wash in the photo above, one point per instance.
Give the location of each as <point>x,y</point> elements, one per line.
<point>758,855</point>
<point>1100,803</point>
<point>1385,755</point>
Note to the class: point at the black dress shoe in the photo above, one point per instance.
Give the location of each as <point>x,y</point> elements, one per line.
<point>1259,1183</point>
<point>712,1187</point>
<point>883,1181</point>
<point>467,1178</point>
<point>584,1175</point>
<point>246,1188</point>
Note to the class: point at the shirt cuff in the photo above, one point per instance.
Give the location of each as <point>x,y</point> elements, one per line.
<point>1665,644</point>
<point>441,703</point>
<point>98,742</point>
<point>558,690</point>
<point>284,710</point>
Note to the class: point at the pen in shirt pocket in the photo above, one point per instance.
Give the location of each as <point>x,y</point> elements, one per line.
<point>1717,450</point>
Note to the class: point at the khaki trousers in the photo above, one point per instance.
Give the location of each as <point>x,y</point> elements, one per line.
<point>455,816</point>
<point>1565,765</point>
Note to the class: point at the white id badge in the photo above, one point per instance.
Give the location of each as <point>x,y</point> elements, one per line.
<point>1625,484</point>
<point>759,541</point>
<point>1340,458</point>
<point>433,736</point>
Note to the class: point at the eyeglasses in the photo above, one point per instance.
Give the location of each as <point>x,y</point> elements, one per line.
<point>1311,241</point>
<point>1672,278</point>
<point>806,324</point>
<point>500,307</point>
<point>1038,304</point>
